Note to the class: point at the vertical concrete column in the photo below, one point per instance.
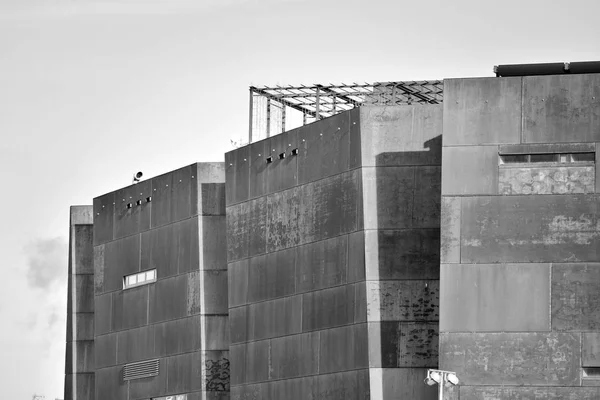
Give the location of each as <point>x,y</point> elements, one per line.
<point>401,179</point>
<point>79,363</point>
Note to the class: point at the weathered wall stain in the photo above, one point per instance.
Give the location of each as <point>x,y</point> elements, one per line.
<point>546,180</point>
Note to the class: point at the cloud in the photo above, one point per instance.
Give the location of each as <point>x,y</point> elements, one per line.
<point>47,262</point>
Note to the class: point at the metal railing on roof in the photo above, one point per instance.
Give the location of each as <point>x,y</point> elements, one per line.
<point>272,109</point>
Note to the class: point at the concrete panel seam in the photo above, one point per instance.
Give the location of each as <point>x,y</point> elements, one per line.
<point>292,187</point>
<point>153,228</point>
<point>315,330</point>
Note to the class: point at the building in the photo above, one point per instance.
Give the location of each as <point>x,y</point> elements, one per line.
<point>343,258</point>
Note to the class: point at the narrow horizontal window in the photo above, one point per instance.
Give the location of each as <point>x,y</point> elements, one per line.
<point>140,278</point>
<point>534,158</point>
<point>548,158</point>
<point>591,373</point>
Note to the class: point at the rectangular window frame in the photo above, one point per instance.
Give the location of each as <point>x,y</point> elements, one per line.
<point>141,278</point>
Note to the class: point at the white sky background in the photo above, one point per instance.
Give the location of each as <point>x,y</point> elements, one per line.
<point>92,91</point>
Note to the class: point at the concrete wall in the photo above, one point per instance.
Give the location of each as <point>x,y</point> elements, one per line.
<point>181,319</point>
<point>520,261</point>
<point>321,248</point>
<point>79,360</point>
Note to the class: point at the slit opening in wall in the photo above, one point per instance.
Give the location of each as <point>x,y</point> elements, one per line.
<point>547,158</point>
<point>295,152</point>
<point>269,160</point>
<point>591,373</point>
<point>281,156</point>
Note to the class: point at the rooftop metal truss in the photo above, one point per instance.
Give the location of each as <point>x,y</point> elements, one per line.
<point>270,106</point>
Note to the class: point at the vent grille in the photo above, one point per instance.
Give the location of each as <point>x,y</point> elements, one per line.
<point>142,369</point>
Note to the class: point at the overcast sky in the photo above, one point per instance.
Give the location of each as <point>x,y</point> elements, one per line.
<point>93,90</point>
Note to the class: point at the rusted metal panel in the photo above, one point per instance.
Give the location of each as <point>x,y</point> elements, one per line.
<point>349,385</point>
<point>576,297</point>
<point>168,299</point>
<point>99,253</point>
<point>83,293</point>
<point>80,386</point>
<point>406,300</point>
<point>495,297</point>
<point>402,254</point>
<point>354,159</point>
<point>397,136</point>
<point>237,273</point>
<point>237,357</point>
<point>401,383</point>
<point>291,389</point>
<point>216,332</point>
<point>546,180</point>
<point>176,337</point>
<point>214,243</point>
<point>450,230</point>
<point>590,348</point>
<point>561,108</point>
<point>84,252</point>
<point>121,257</point>
<point>80,357</point>
<point>293,356</point>
<point>343,349</point>
<point>239,322</point>
<point>135,344</point>
<point>540,359</point>
<point>104,214</point>
<point>109,383</point>
<point>169,249</point>
<point>211,199</point>
<point>182,204</point>
<point>247,392</point>
<point>255,361</point>
<point>551,228</point>
<point>322,264</point>
<point>388,197</point>
<point>274,318</point>
<point>84,327</point>
<point>258,175</point>
<point>135,219</point>
<point>247,229</point>
<point>130,308</point>
<point>403,344</point>
<point>427,195</point>
<point>356,257</point>
<point>187,369</point>
<point>324,148</point>
<point>328,308</point>
<point>105,347</point>
<point>213,294</point>
<point>103,314</point>
<point>283,173</point>
<point>162,186</point>
<point>282,223</point>
<point>482,111</point>
<point>271,276</point>
<point>329,207</point>
<point>470,170</point>
<point>528,393</point>
<point>597,167</point>
<point>237,174</point>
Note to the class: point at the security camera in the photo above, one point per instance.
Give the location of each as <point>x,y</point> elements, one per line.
<point>137,176</point>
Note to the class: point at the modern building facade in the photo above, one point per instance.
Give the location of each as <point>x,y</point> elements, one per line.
<point>342,259</point>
